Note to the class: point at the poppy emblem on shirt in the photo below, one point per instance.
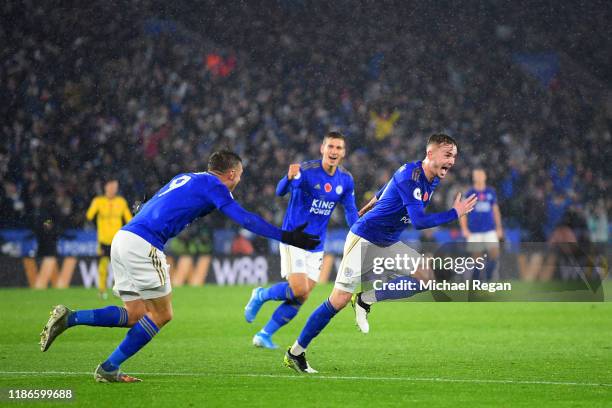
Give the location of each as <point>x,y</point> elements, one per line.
<point>327,187</point>
<point>425,196</point>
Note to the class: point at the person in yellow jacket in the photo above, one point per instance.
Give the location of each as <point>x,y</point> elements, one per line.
<point>111,213</point>
<point>383,123</point>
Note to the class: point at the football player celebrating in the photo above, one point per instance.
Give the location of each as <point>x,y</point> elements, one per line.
<point>401,201</point>
<point>316,188</point>
<point>139,265</point>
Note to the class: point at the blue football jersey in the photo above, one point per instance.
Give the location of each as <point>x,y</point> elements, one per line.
<point>384,223</point>
<point>481,219</point>
<point>186,197</point>
<point>314,195</point>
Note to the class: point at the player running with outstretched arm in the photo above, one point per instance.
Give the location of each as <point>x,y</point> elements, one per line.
<point>316,188</point>
<point>400,201</point>
<point>141,274</point>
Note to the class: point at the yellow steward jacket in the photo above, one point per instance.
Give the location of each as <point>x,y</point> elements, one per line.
<point>111,214</point>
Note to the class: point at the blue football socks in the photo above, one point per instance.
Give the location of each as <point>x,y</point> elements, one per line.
<point>278,291</point>
<point>135,339</point>
<point>283,314</point>
<point>111,316</point>
<point>316,322</point>
<point>406,287</point>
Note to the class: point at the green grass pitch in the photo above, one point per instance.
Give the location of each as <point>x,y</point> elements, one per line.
<point>423,354</point>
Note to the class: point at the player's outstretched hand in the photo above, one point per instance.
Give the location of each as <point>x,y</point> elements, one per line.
<point>300,239</point>
<point>464,206</point>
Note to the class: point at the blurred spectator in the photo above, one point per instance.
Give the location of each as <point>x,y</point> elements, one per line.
<point>146,93</point>
<point>12,206</point>
<point>48,228</point>
<point>556,207</point>
<point>383,123</point>
<point>241,245</point>
<point>562,177</point>
<point>597,221</point>
<point>191,241</point>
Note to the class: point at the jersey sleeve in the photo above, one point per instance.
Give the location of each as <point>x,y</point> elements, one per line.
<point>285,185</point>
<point>250,221</point>
<point>411,195</point>
<point>410,192</point>
<point>493,197</point>
<point>420,220</point>
<point>220,196</point>
<point>92,210</point>
<point>348,202</point>
<point>381,191</point>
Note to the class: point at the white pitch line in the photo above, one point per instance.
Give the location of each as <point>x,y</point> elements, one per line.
<point>326,377</point>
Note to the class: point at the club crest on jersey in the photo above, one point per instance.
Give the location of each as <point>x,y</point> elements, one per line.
<point>417,193</point>
<point>317,186</point>
<point>339,190</point>
<point>327,187</point>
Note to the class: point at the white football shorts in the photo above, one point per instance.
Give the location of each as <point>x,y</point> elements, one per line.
<point>348,278</point>
<point>350,273</point>
<point>482,241</point>
<point>140,270</point>
<point>298,260</point>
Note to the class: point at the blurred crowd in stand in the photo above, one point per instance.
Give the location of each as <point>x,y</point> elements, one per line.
<point>143,92</point>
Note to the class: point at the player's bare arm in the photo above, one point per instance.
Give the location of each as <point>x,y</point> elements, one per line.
<point>465,231</point>
<point>368,206</point>
<point>499,229</point>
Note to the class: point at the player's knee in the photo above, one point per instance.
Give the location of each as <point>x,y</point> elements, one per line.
<point>135,312</point>
<point>161,317</point>
<point>134,317</point>
<point>166,316</point>
<point>339,299</point>
<point>301,293</point>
